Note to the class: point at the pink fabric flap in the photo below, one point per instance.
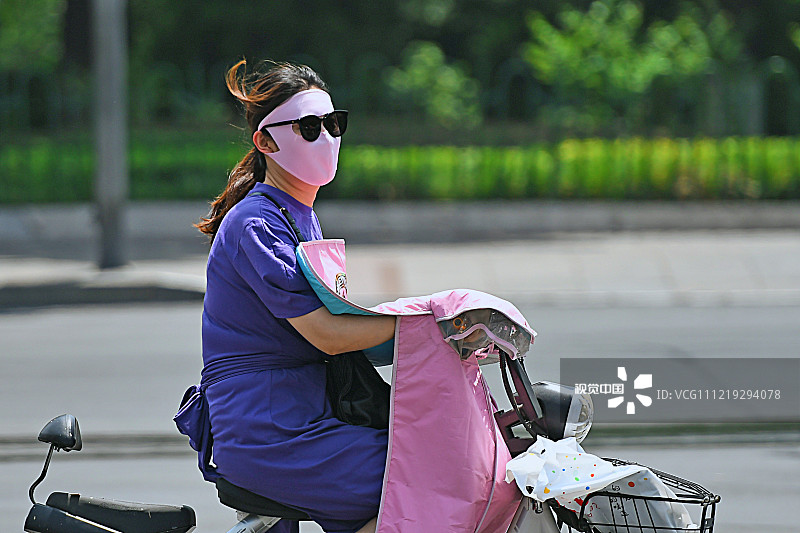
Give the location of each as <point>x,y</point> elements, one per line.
<point>327,259</point>
<point>446,457</point>
<point>327,264</point>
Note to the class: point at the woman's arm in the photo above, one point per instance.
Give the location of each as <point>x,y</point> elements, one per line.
<point>335,334</point>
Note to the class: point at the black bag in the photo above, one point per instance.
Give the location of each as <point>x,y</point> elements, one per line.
<point>358,394</point>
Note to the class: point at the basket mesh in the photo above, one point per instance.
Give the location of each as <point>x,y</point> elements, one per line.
<point>633,513</point>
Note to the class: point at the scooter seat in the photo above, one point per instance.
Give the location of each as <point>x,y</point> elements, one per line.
<point>126,516</point>
<point>243,500</point>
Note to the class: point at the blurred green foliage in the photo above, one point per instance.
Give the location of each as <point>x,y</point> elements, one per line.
<point>31,34</point>
<point>794,33</point>
<point>427,84</point>
<point>564,68</point>
<point>167,167</point>
<point>601,62</point>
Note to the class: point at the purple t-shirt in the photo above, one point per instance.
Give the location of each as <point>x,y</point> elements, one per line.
<point>254,283</point>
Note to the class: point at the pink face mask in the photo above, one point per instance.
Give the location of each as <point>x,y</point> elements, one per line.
<point>312,162</point>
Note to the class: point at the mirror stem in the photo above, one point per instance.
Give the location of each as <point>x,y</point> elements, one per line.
<point>44,473</point>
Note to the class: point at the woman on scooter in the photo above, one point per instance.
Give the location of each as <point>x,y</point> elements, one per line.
<point>266,333</point>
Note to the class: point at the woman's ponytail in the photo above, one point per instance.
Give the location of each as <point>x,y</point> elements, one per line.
<point>241,181</point>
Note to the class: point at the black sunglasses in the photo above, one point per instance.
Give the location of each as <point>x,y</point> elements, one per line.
<point>335,123</point>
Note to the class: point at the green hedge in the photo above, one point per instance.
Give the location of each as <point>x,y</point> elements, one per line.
<point>733,168</point>
<point>176,168</point>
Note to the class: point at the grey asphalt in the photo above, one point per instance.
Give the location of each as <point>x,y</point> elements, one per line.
<point>122,368</point>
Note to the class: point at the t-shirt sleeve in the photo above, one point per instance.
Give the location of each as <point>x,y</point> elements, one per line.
<point>267,262</point>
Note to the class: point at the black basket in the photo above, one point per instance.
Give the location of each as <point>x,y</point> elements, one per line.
<point>640,520</point>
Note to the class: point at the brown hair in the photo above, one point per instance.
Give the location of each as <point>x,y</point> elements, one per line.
<point>259,93</point>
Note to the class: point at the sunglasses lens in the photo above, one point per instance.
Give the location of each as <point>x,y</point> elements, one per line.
<point>336,123</point>
<point>310,127</point>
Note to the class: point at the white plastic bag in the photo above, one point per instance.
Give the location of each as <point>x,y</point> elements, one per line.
<point>563,471</point>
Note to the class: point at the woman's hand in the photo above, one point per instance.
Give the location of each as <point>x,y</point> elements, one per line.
<point>335,334</point>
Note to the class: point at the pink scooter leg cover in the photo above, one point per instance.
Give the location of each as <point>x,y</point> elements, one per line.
<point>445,469</point>
<point>444,444</point>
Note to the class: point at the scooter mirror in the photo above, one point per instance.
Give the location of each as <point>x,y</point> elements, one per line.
<point>63,433</point>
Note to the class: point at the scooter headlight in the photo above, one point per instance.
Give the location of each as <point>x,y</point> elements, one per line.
<point>566,414</point>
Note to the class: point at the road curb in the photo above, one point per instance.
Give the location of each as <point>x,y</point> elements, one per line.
<point>103,287</point>
<point>59,294</point>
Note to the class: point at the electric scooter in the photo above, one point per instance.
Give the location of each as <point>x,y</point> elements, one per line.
<point>537,409</point>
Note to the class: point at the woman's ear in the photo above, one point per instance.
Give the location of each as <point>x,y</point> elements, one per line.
<point>264,142</point>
